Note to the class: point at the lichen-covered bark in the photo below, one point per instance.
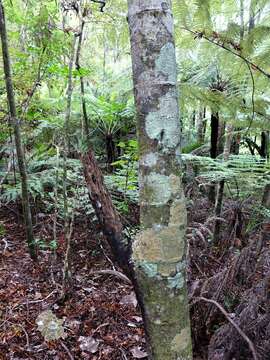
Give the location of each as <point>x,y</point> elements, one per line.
<point>159,249</point>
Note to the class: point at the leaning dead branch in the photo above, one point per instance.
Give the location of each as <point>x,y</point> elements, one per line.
<point>228,317</point>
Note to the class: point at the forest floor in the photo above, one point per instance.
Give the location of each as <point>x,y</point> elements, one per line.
<point>102,320</point>
<point>101,317</point>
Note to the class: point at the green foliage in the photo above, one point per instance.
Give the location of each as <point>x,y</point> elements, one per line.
<point>108,116</point>
<point>44,245</point>
<point>125,176</point>
<point>2,229</point>
<point>245,175</point>
<point>209,77</point>
<point>190,147</point>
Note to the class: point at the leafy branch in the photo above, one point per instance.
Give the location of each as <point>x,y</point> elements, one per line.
<point>216,41</point>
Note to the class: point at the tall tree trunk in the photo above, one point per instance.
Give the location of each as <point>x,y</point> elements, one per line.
<point>251,22</point>
<point>105,211</point>
<point>235,146</point>
<point>78,67</point>
<point>265,144</point>
<point>266,196</point>
<point>67,219</point>
<point>242,20</point>
<point>17,135</point>
<point>111,152</point>
<point>159,249</point>
<point>214,135</point>
<point>201,124</point>
<point>220,192</point>
<point>214,151</point>
<point>221,137</point>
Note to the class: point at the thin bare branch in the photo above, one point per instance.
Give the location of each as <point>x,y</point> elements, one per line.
<point>237,328</point>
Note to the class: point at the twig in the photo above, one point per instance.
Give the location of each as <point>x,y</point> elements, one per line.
<point>99,327</point>
<point>6,245</point>
<point>241,333</point>
<point>203,36</point>
<point>124,354</point>
<point>23,329</point>
<point>112,272</point>
<point>67,350</point>
<point>106,256</point>
<point>36,301</point>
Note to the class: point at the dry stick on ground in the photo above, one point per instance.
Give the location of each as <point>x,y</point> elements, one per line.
<point>237,328</point>
<point>23,329</point>
<point>112,272</point>
<point>67,350</point>
<point>67,262</point>
<point>36,301</point>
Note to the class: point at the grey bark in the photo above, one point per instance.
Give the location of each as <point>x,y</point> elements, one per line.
<point>201,124</point>
<point>159,249</point>
<point>17,135</point>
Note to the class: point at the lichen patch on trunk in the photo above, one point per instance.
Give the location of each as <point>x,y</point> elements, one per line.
<point>164,248</point>
<point>149,160</point>
<point>166,64</point>
<point>156,189</point>
<point>161,125</point>
<point>181,341</point>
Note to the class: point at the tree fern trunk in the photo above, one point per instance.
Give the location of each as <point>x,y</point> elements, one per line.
<point>159,249</point>
<point>201,126</point>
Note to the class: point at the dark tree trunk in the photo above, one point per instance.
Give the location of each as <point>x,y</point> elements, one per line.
<point>265,235</point>
<point>17,134</point>
<point>266,197</point>
<point>220,192</point>
<point>193,118</point>
<point>221,138</point>
<point>78,67</point>
<point>235,147</point>
<point>214,150</point>
<point>106,213</point>
<point>214,135</point>
<point>111,152</point>
<point>265,144</point>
